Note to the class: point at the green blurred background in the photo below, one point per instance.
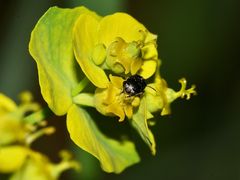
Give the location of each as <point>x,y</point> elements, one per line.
<point>197,39</point>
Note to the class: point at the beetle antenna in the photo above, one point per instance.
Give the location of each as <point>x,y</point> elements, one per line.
<point>152,88</point>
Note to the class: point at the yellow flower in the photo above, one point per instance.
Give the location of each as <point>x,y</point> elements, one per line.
<point>16,136</point>
<point>25,163</point>
<point>116,42</point>
<point>12,127</point>
<point>12,158</point>
<point>6,105</point>
<point>112,100</point>
<point>39,167</point>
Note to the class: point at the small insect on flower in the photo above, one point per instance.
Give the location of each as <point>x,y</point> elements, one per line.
<point>134,85</point>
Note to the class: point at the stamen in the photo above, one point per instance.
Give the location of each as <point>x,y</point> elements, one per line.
<point>45,131</point>
<point>66,163</point>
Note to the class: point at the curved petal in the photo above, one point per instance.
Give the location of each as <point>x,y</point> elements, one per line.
<point>149,51</point>
<point>117,110</point>
<point>39,167</point>
<point>35,167</point>
<point>148,68</point>
<point>136,65</point>
<point>100,97</point>
<point>84,41</point>
<point>114,156</point>
<point>116,81</point>
<point>119,25</point>
<point>51,48</point>
<point>129,111</point>
<point>85,34</point>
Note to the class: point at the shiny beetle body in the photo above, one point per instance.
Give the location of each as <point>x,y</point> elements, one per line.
<point>134,85</point>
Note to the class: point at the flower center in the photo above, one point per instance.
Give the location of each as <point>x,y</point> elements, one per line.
<point>121,55</point>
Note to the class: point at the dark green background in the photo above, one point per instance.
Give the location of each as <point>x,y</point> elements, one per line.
<point>197,39</point>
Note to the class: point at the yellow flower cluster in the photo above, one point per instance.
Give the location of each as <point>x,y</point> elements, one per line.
<point>16,136</point>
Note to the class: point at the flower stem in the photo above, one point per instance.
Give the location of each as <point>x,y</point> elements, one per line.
<point>38,116</point>
<point>83,83</point>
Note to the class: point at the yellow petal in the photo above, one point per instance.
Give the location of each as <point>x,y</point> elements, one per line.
<point>116,109</point>
<point>12,158</point>
<point>36,167</point>
<point>136,65</point>
<point>84,39</point>
<point>148,68</point>
<point>11,130</point>
<point>119,25</point>
<point>100,100</point>
<point>136,102</point>
<point>99,54</point>
<point>106,103</point>
<point>85,34</point>
<point>149,51</point>
<point>111,95</point>
<point>6,104</point>
<point>150,37</point>
<point>116,81</point>
<point>129,111</point>
<point>39,167</point>
<point>114,59</point>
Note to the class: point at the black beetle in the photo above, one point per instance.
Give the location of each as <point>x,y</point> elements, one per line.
<point>134,85</point>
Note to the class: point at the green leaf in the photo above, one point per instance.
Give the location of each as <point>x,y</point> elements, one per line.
<point>139,122</point>
<point>51,47</point>
<point>114,156</point>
